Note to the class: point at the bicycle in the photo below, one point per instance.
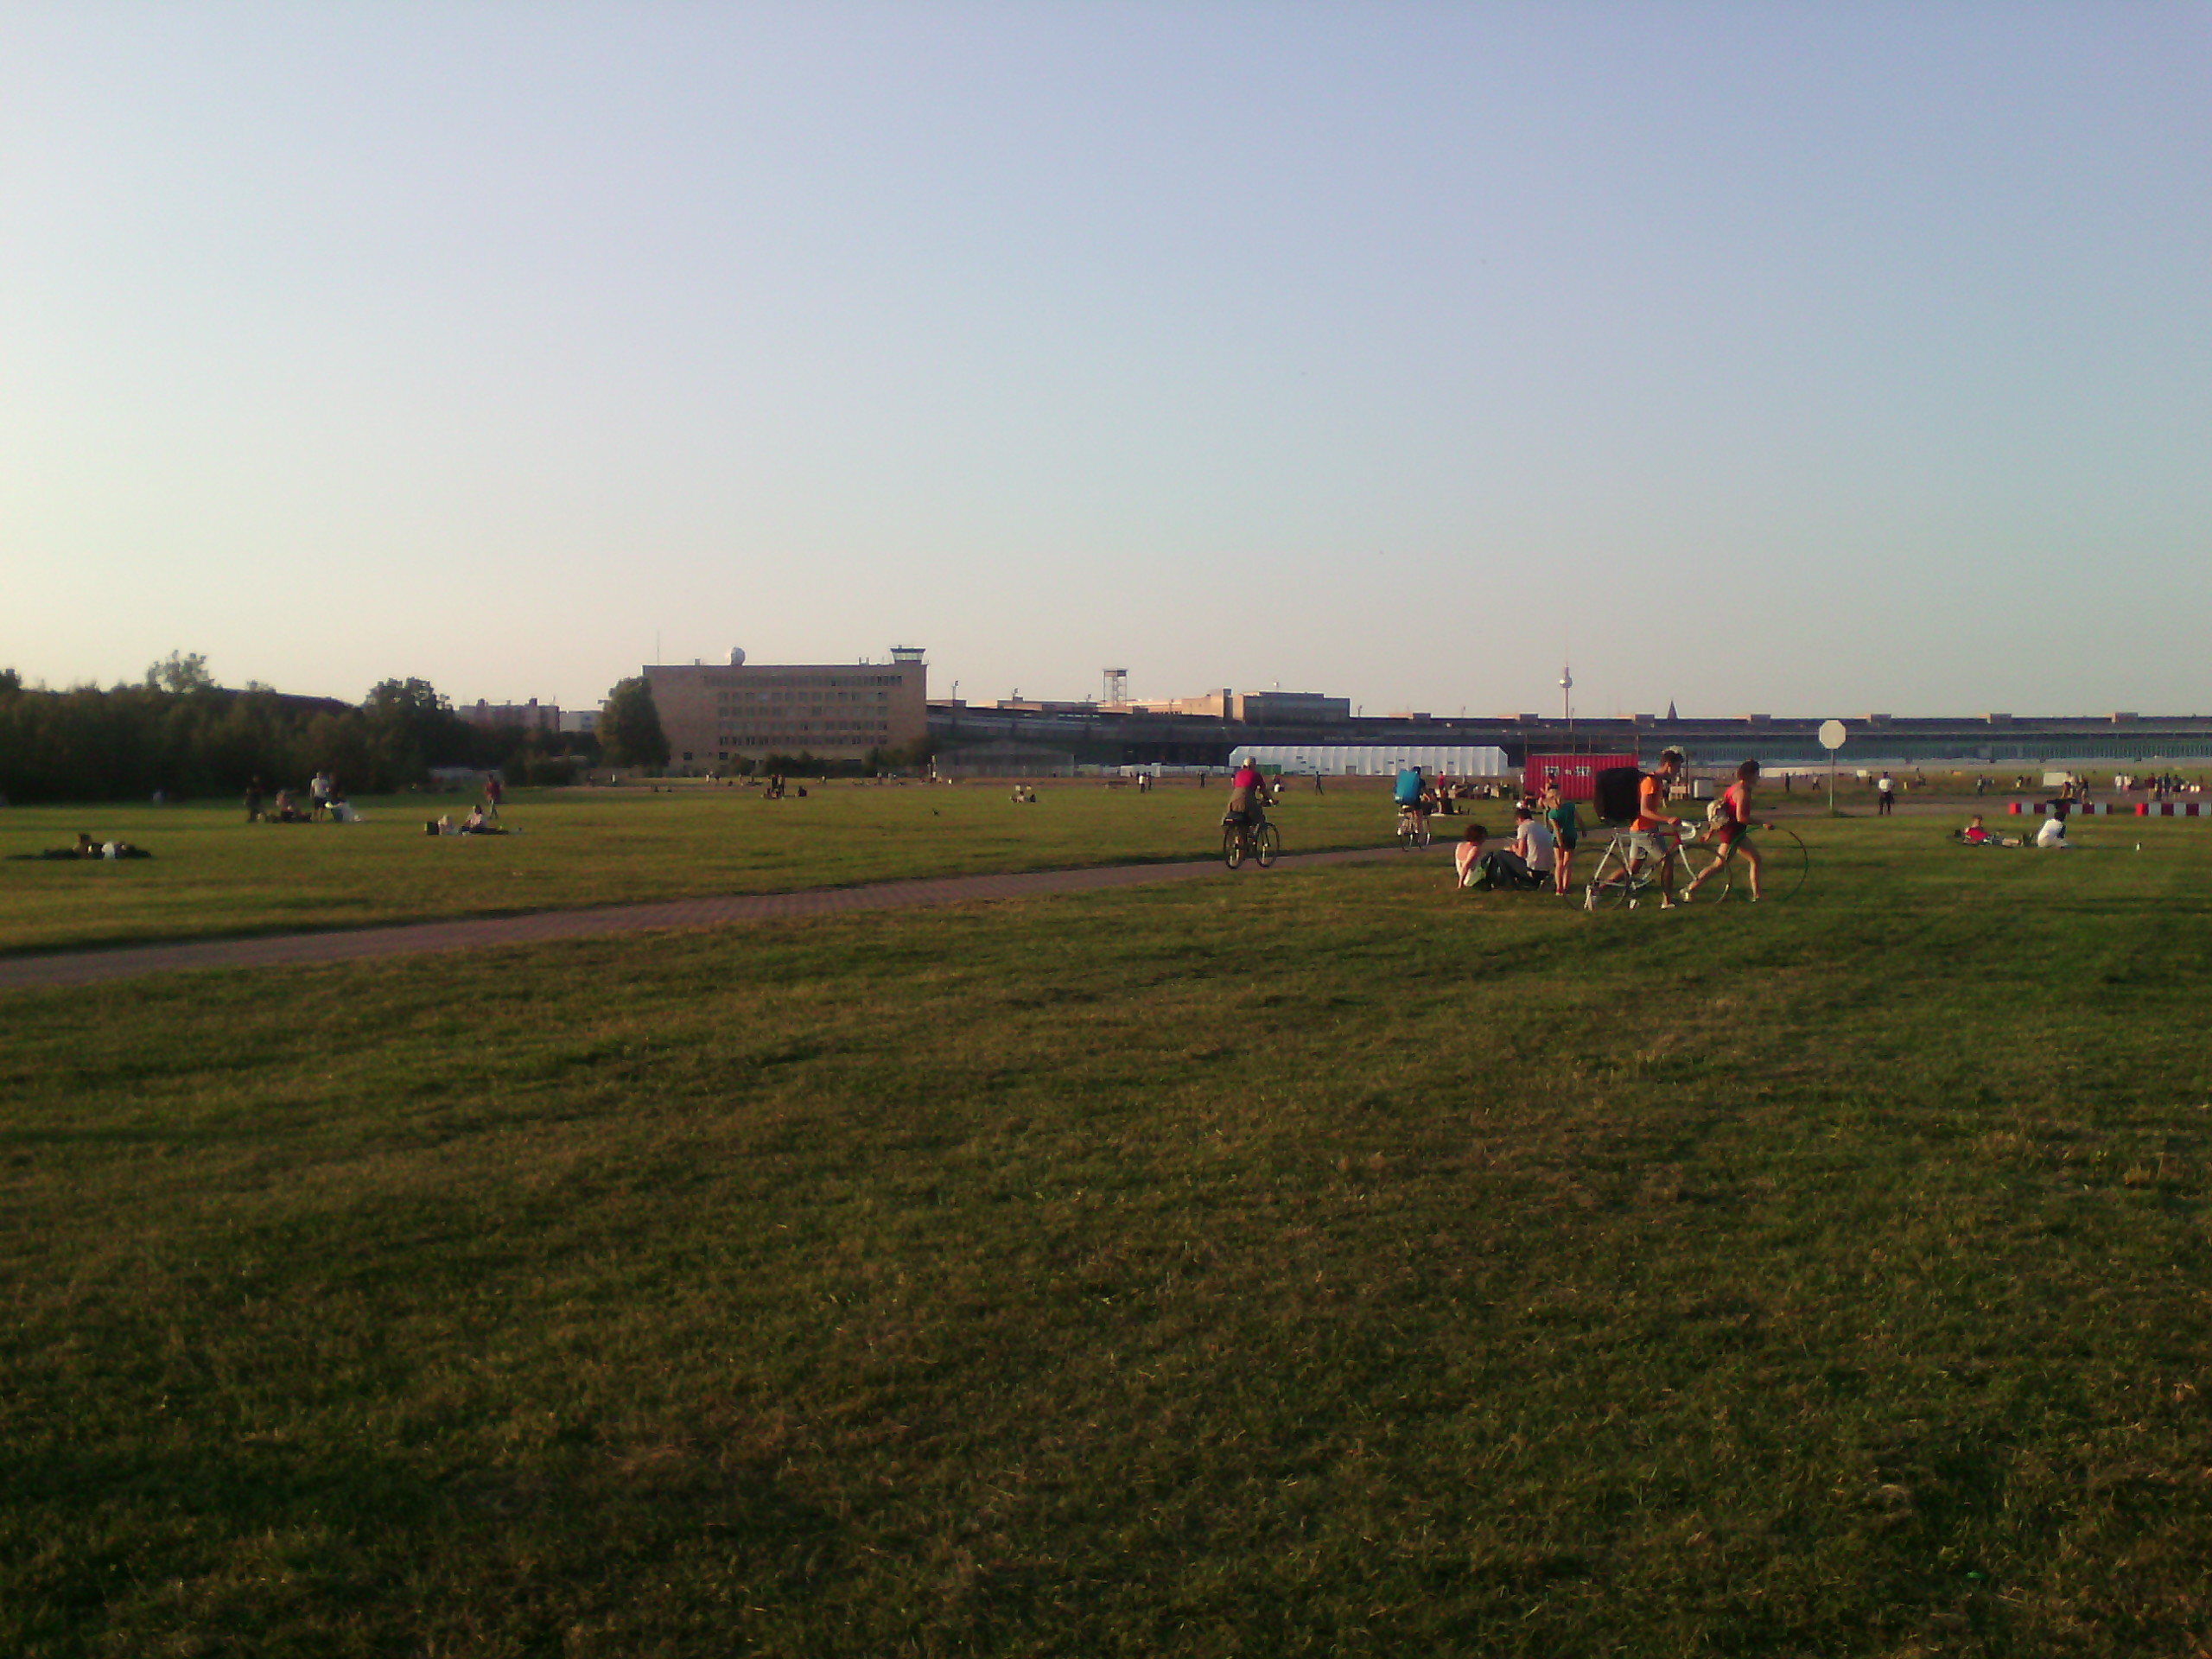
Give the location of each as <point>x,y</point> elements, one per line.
<point>1413,828</point>
<point>1240,841</point>
<point>1622,874</point>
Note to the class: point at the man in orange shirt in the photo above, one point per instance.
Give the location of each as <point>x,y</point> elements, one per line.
<point>1655,831</point>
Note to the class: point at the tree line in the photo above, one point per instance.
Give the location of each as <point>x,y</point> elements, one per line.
<point>178,733</point>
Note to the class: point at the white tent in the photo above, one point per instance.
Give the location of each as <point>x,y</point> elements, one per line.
<point>1374,759</point>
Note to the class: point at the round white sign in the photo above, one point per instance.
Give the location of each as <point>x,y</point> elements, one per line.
<point>1831,733</point>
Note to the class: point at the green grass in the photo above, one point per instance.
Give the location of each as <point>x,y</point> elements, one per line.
<point>213,874</point>
<point>1326,1261</point>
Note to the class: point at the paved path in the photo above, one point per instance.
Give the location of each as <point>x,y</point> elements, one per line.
<point>358,944</point>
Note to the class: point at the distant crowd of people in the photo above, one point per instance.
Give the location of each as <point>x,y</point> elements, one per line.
<point>325,801</point>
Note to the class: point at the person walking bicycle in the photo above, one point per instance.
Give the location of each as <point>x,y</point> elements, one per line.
<point>1655,832</point>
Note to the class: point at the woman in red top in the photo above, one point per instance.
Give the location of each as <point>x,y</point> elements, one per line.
<point>1731,835</point>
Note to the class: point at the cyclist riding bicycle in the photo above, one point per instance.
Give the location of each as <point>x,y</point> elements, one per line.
<point>1248,798</point>
<point>1655,831</point>
<point>1410,799</point>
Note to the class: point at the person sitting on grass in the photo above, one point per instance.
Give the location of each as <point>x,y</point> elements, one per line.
<point>2053,833</point>
<point>1532,843</point>
<point>1504,867</point>
<point>1467,858</point>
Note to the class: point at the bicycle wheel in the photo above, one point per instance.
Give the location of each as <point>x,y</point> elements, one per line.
<point>1611,885</point>
<point>1266,845</point>
<point>1787,863</point>
<point>1232,845</point>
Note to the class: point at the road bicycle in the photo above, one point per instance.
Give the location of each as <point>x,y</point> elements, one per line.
<point>1240,841</point>
<point>1413,828</point>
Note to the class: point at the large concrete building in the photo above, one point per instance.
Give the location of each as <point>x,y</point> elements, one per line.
<point>533,716</point>
<point>716,712</point>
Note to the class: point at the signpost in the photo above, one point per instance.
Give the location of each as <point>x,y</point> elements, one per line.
<point>1831,740</point>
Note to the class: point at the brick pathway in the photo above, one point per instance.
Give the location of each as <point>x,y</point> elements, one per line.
<point>357,944</point>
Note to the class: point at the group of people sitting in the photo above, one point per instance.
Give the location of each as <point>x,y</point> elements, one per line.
<point>324,801</point>
<point>1539,854</point>
<point>1976,834</point>
<point>478,822</point>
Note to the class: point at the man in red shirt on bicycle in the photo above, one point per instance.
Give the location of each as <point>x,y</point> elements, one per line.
<point>1248,798</point>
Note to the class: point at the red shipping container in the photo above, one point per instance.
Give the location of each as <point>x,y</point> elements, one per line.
<point>1575,774</point>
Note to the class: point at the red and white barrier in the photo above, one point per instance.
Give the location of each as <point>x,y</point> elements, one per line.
<point>2112,808</point>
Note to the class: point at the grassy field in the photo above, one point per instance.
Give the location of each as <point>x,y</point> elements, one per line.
<point>1324,1261</point>
<point>213,874</point>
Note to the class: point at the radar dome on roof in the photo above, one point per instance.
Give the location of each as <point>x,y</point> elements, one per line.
<point>736,657</point>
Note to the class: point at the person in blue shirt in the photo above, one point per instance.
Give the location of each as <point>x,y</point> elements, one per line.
<point>1410,798</point>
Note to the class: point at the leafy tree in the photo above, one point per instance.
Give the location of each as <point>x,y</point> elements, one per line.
<point>11,680</point>
<point>411,728</point>
<point>629,726</point>
<point>180,675</point>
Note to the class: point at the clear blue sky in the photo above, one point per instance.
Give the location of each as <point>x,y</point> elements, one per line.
<point>1793,358</point>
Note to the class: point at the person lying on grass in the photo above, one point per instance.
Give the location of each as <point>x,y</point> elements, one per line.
<point>85,848</point>
<point>1975,835</point>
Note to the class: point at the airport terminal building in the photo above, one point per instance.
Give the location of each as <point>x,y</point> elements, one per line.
<point>1311,737</point>
<point>715,712</point>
